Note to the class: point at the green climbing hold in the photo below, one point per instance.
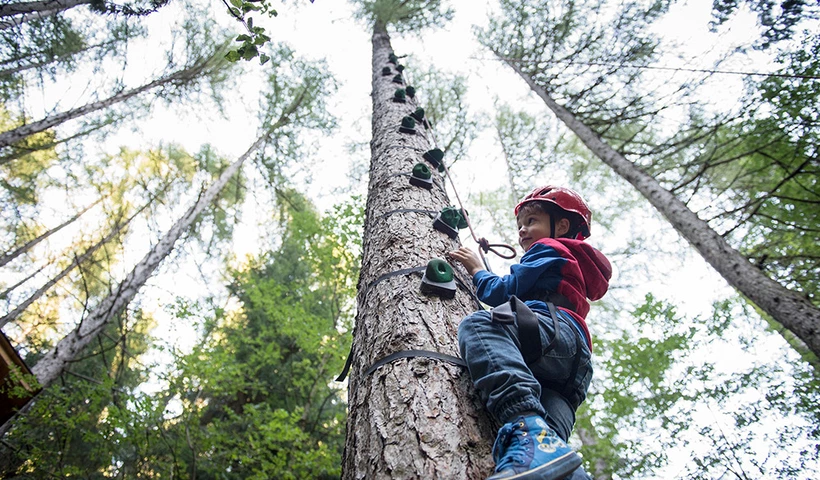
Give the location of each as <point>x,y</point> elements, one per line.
<point>398,79</point>
<point>400,96</point>
<point>434,156</point>
<point>408,125</point>
<point>411,91</point>
<point>421,170</point>
<point>392,58</point>
<point>400,68</point>
<point>438,279</point>
<point>386,71</point>
<point>453,217</point>
<point>438,270</point>
<point>418,115</point>
<point>421,176</point>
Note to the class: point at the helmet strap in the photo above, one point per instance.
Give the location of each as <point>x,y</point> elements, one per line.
<point>552,226</point>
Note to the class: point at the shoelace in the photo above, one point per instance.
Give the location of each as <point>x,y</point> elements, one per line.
<point>512,445</point>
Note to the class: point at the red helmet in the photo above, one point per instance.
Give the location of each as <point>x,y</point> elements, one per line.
<point>564,198</point>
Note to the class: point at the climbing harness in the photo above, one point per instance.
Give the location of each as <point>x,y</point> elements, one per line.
<point>516,313</point>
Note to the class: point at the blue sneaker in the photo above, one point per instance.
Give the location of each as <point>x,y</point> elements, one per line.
<point>529,449</point>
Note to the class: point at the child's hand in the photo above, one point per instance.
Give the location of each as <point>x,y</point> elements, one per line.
<point>468,258</point>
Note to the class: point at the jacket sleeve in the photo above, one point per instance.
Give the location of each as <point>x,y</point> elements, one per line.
<point>539,267</point>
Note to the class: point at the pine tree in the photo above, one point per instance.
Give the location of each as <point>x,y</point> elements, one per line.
<point>618,125</point>
<point>298,109</point>
<point>416,417</point>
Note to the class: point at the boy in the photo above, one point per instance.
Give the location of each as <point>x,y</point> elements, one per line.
<point>534,371</point>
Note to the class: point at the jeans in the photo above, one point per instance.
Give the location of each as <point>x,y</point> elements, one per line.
<point>510,387</point>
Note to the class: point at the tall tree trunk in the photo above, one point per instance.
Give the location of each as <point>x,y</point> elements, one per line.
<point>18,152</point>
<point>15,135</point>
<point>790,309</point>
<point>55,361</point>
<point>32,243</point>
<point>24,8</point>
<point>77,261</point>
<point>416,417</point>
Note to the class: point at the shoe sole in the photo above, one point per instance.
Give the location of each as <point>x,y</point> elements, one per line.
<point>555,470</point>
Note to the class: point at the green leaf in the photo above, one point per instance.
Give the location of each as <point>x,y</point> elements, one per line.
<point>236,3</point>
<point>263,59</point>
<point>249,51</point>
<point>232,56</point>
<point>243,38</point>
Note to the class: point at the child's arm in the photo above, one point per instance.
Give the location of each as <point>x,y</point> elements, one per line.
<point>469,259</point>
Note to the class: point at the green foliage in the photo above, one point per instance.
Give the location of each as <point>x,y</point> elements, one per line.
<point>403,16</point>
<point>294,102</point>
<point>656,380</point>
<point>778,20</point>
<point>74,430</point>
<point>255,38</point>
<point>50,47</point>
<point>260,398</point>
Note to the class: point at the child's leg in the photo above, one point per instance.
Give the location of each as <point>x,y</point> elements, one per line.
<point>497,368</point>
<point>526,447</point>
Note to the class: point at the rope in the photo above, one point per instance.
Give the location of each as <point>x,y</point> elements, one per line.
<point>483,243</point>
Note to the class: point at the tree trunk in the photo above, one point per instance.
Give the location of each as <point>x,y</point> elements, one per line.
<point>417,417</point>
<point>31,243</point>
<point>25,8</point>
<point>55,361</point>
<point>790,309</point>
<point>12,315</point>
<point>15,135</point>
<point>19,152</point>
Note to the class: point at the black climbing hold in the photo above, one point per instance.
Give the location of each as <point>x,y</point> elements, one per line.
<point>386,71</point>
<point>411,92</point>
<point>400,96</point>
<point>398,79</point>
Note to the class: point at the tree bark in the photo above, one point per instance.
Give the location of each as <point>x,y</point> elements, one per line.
<point>792,310</point>
<point>15,135</point>
<point>417,417</point>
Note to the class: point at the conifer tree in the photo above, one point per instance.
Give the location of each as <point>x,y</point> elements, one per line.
<point>413,417</point>
<point>619,126</point>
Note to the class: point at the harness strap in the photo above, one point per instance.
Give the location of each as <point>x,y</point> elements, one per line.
<point>529,331</point>
<point>517,313</point>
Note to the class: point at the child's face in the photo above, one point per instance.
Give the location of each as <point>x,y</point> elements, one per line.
<point>533,225</point>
